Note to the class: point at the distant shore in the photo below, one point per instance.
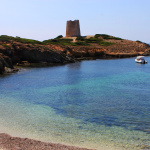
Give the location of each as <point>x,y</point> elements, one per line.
<point>8,142</point>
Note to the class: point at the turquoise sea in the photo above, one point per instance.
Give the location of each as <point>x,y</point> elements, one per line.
<point>99,104</point>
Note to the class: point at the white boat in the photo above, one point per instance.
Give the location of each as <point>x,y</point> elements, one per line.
<point>140,59</point>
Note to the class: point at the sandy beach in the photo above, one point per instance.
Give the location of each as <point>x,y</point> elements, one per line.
<point>8,142</point>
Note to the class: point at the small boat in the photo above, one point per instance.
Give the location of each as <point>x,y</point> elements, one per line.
<point>140,59</point>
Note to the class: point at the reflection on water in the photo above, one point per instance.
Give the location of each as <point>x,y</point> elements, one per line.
<point>83,104</point>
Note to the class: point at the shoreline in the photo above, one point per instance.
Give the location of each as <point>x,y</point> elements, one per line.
<point>17,68</point>
<point>8,142</point>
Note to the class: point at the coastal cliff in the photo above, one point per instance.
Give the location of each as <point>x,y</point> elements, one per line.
<point>18,51</point>
<point>100,46</point>
<point>119,49</point>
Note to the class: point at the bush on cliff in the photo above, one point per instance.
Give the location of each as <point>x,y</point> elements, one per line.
<point>138,41</point>
<point>59,37</point>
<point>78,43</point>
<point>81,43</point>
<point>58,41</point>
<point>104,43</point>
<point>80,38</point>
<point>5,45</point>
<point>93,40</point>
<point>28,41</point>
<point>105,36</point>
<point>116,38</point>
<point>5,38</point>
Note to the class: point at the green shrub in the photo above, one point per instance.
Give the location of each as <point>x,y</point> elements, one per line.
<point>47,41</point>
<point>58,41</point>
<point>116,38</point>
<point>65,40</point>
<point>59,37</point>
<point>5,45</point>
<point>69,44</point>
<point>138,41</point>
<point>5,38</point>
<point>80,38</point>
<point>104,43</point>
<point>93,40</point>
<point>26,41</point>
<point>97,35</point>
<point>81,43</point>
<point>105,36</point>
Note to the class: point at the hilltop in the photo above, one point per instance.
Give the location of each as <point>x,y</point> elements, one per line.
<point>21,51</point>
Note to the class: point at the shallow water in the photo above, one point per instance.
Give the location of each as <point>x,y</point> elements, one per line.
<point>94,104</point>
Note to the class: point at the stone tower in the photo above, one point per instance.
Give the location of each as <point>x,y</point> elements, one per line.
<point>73,28</point>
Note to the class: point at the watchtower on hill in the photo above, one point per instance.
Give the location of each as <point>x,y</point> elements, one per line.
<point>73,28</point>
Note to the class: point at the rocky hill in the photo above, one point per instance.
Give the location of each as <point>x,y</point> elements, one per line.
<point>18,51</point>
<point>121,49</point>
<point>100,46</point>
<point>15,53</point>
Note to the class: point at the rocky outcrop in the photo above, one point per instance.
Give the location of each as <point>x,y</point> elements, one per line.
<point>12,53</point>
<point>37,54</point>
<point>120,49</point>
<point>20,53</point>
<point>5,63</point>
<point>2,66</point>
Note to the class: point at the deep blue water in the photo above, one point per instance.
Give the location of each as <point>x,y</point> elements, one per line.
<point>110,93</point>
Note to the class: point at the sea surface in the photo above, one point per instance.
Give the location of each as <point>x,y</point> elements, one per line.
<point>99,104</point>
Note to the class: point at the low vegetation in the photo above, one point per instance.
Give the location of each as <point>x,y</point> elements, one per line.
<point>80,38</point>
<point>81,43</point>
<point>5,38</point>
<point>59,37</point>
<point>104,43</point>
<point>105,36</point>
<point>93,40</point>
<point>98,38</point>
<point>5,45</point>
<point>59,40</point>
<point>138,41</point>
<point>62,41</point>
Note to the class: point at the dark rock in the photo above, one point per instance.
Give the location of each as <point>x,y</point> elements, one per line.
<point>5,62</point>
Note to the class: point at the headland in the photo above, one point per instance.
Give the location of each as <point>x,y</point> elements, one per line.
<point>26,52</point>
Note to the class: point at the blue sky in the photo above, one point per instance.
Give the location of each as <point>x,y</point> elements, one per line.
<point>45,19</point>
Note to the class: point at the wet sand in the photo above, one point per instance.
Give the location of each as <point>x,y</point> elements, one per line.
<point>8,142</point>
